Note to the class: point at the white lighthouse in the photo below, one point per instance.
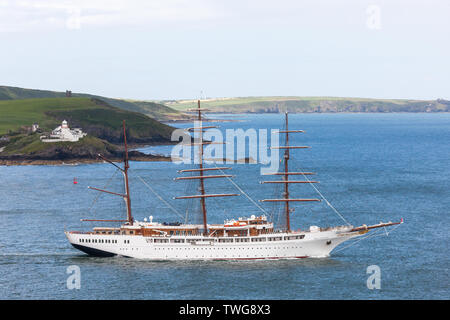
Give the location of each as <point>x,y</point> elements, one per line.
<point>64,133</point>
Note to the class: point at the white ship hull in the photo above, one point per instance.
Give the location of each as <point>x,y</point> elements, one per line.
<point>313,244</point>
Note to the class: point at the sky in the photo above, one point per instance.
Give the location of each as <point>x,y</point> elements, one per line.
<point>189,49</point>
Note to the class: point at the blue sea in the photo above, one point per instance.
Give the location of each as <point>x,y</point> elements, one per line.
<point>371,168</point>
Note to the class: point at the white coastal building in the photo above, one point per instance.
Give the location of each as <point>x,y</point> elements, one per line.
<point>64,133</point>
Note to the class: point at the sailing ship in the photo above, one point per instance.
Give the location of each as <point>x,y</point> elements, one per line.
<point>249,238</point>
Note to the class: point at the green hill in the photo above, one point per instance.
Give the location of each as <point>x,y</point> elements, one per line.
<point>94,116</point>
<point>102,123</point>
<point>312,104</point>
<point>154,110</point>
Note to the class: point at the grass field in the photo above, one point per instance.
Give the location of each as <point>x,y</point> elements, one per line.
<point>154,110</point>
<point>102,122</point>
<point>91,115</point>
<point>310,104</point>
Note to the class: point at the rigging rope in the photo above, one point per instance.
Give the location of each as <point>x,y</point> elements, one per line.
<point>243,192</point>
<point>322,196</point>
<point>100,193</point>
<point>160,198</point>
<point>375,234</point>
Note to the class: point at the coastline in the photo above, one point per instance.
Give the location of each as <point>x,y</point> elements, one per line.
<point>77,161</point>
<point>134,155</point>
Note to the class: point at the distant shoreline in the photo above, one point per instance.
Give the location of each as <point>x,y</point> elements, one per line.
<point>312,112</point>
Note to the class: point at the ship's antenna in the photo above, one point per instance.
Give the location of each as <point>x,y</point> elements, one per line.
<point>286,175</point>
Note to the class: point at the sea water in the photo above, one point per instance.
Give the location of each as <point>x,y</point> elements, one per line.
<point>371,168</point>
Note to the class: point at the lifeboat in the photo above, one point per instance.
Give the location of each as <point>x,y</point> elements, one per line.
<point>236,224</point>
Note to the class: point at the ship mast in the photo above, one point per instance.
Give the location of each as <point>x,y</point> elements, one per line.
<point>124,170</point>
<point>286,175</point>
<point>125,174</point>
<point>201,176</point>
<point>200,161</point>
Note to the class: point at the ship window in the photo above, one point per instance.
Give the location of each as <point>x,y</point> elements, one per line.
<point>295,237</point>
<point>275,238</point>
